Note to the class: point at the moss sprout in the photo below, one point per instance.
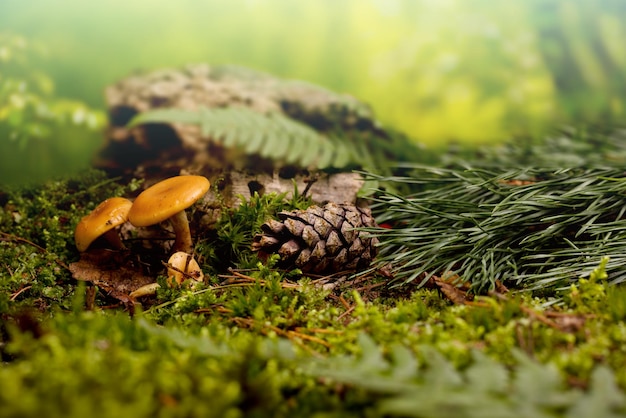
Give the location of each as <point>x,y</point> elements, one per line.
<point>257,341</point>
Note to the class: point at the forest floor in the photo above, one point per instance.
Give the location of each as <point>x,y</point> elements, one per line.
<point>253,340</point>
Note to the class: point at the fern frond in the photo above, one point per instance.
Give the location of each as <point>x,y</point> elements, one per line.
<point>273,135</point>
<point>401,386</point>
<point>280,138</point>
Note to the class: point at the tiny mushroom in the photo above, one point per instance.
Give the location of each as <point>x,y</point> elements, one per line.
<point>102,221</point>
<point>182,266</point>
<point>145,290</point>
<point>168,199</point>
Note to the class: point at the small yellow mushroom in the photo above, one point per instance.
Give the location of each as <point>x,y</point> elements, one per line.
<point>182,266</point>
<point>102,221</point>
<point>168,199</point>
<point>145,290</point>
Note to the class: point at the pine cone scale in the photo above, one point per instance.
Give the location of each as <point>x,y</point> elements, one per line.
<point>320,240</point>
<point>310,236</point>
<point>333,243</point>
<point>289,249</point>
<point>322,226</point>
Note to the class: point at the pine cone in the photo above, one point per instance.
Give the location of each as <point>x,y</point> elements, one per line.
<point>320,240</point>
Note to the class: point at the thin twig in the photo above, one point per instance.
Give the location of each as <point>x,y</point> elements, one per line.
<point>346,313</point>
<point>16,294</point>
<point>344,302</point>
<point>11,237</point>
<point>15,238</point>
<point>284,284</point>
<point>320,330</point>
<point>291,335</point>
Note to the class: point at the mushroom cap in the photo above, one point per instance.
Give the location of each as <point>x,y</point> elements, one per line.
<point>106,216</point>
<point>166,198</point>
<point>185,263</point>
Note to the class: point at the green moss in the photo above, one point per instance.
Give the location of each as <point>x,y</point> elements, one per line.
<point>274,344</point>
<point>37,236</point>
<point>229,243</point>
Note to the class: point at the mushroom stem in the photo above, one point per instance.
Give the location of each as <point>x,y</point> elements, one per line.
<point>114,239</point>
<point>183,235</point>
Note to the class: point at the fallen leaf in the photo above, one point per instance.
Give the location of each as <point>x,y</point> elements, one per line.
<point>458,295</point>
<point>112,271</point>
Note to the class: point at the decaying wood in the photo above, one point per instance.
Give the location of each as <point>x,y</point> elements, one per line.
<point>156,151</point>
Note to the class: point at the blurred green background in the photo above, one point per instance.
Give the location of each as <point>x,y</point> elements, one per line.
<point>442,71</point>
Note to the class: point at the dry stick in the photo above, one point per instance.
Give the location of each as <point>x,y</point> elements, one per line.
<point>370,286</point>
<point>524,339</point>
<point>244,281</point>
<point>528,311</point>
<point>346,313</point>
<point>251,322</point>
<point>11,237</point>
<point>16,294</point>
<point>285,285</point>
<point>320,330</point>
<point>540,317</point>
<point>554,314</point>
<point>15,238</point>
<point>229,285</point>
<point>7,269</point>
<point>223,309</point>
<point>272,327</point>
<point>218,308</point>
<point>309,182</point>
<point>235,273</point>
<point>344,302</point>
<point>531,312</point>
<point>185,275</point>
<point>309,338</point>
<point>90,298</point>
<point>320,278</point>
<point>295,334</point>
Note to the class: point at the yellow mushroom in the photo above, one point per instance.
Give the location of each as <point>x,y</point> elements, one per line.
<point>167,200</point>
<point>145,290</point>
<point>102,221</point>
<point>182,266</point>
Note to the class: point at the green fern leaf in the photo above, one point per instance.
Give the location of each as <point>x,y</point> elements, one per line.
<point>371,355</point>
<point>343,155</point>
<point>272,135</point>
<point>256,142</point>
<point>404,363</point>
<point>487,375</point>
<point>440,373</point>
<point>538,386</point>
<point>169,115</point>
<point>311,150</point>
<point>604,399</point>
<point>327,153</point>
<point>205,129</point>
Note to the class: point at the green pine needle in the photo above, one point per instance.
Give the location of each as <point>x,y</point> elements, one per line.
<point>528,226</point>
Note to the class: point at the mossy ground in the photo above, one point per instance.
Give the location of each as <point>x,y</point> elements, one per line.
<point>261,342</point>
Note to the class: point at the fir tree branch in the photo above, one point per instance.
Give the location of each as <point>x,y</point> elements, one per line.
<point>527,226</point>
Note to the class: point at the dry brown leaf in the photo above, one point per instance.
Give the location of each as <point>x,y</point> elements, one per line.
<point>453,292</point>
<point>110,271</point>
